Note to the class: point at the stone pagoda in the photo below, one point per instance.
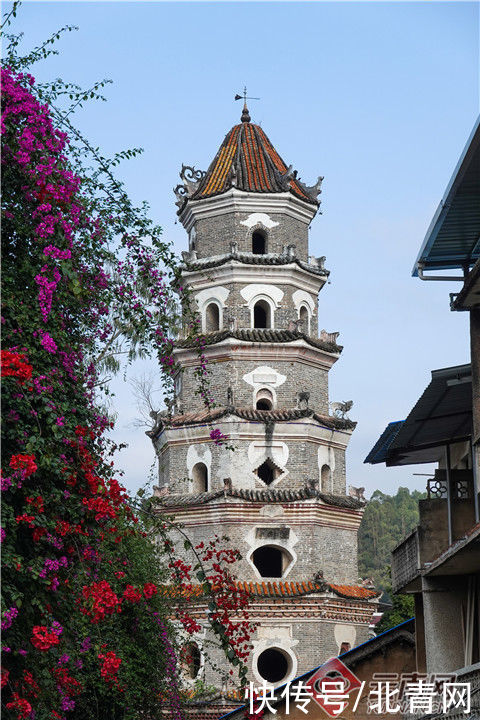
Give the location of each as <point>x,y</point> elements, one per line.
<point>281,495</point>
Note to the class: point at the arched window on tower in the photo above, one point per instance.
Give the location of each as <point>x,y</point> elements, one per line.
<point>325,479</point>
<point>264,400</point>
<point>200,478</point>
<point>212,317</point>
<point>262,315</point>
<point>191,660</point>
<point>304,318</point>
<point>271,561</point>
<point>259,243</point>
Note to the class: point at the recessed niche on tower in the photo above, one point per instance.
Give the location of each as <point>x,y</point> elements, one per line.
<point>264,400</point>
<point>199,478</point>
<point>259,243</point>
<point>271,561</point>
<point>212,317</point>
<point>268,472</point>
<point>262,315</point>
<point>274,665</point>
<point>191,660</point>
<point>326,479</point>
<point>304,324</point>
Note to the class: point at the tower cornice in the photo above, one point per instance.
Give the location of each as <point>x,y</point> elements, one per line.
<point>244,202</point>
<point>299,350</point>
<point>315,266</point>
<point>308,429</point>
<point>238,272</point>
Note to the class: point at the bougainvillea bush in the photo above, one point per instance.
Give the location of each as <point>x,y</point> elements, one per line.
<point>88,630</point>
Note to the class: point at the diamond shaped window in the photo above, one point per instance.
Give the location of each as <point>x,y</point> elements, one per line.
<point>268,471</point>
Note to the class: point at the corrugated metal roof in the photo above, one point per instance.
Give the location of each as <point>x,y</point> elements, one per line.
<point>379,452</point>
<point>453,238</point>
<point>442,414</point>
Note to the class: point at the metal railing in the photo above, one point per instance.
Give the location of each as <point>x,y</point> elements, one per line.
<point>470,675</point>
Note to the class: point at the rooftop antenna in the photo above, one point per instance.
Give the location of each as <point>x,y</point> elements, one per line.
<point>245,114</point>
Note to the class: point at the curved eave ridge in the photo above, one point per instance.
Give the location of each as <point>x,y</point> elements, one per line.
<point>250,414</point>
<point>326,344</point>
<point>272,495</point>
<point>192,265</point>
<point>281,589</point>
<point>246,161</point>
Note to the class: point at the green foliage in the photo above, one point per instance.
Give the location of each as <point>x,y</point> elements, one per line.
<point>386,521</point>
<point>403,608</point>
<point>87,279</point>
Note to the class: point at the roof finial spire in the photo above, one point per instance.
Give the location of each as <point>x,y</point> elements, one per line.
<point>245,114</point>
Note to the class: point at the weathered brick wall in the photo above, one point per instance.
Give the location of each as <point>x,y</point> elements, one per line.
<point>313,547</point>
<point>311,644</point>
<point>302,463</point>
<point>237,309</point>
<point>230,373</point>
<point>214,234</point>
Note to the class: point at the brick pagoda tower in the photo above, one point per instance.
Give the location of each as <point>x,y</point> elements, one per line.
<point>281,495</point>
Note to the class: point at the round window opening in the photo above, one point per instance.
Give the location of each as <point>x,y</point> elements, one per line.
<point>273,665</point>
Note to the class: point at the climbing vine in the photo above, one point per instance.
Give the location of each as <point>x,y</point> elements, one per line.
<point>89,617</point>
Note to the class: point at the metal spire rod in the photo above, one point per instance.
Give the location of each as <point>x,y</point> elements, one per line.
<point>244,96</point>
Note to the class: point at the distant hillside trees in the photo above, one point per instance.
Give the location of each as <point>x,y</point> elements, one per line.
<point>386,521</point>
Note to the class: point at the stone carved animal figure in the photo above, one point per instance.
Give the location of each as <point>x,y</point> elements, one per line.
<point>340,409</point>
<point>357,493</point>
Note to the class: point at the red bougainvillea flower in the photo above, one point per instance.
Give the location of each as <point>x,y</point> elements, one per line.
<point>110,666</point>
<point>15,365</point>
<point>69,684</point>
<point>42,638</point>
<point>101,601</point>
<point>4,676</point>
<point>132,594</point>
<point>21,705</point>
<point>102,507</point>
<point>149,589</point>
<point>25,463</point>
<point>29,686</point>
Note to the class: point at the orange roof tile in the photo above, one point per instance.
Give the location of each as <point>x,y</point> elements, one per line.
<point>248,161</point>
<point>354,591</point>
<point>280,589</point>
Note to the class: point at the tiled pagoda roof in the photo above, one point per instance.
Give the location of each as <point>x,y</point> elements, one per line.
<point>249,413</point>
<point>259,335</point>
<point>248,161</point>
<point>273,495</point>
<point>281,589</point>
<point>252,259</point>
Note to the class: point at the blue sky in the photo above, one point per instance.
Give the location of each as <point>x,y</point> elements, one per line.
<point>377,97</point>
